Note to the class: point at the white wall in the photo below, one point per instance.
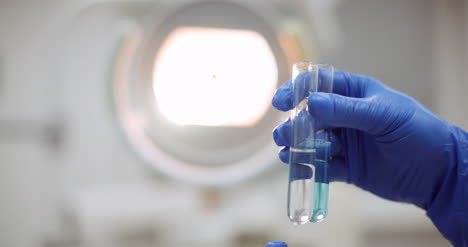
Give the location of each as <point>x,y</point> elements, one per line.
<point>450,67</point>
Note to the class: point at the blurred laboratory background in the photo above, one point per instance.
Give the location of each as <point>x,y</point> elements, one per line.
<point>148,123</point>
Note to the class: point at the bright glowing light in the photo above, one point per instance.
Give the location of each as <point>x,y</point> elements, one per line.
<point>214,77</point>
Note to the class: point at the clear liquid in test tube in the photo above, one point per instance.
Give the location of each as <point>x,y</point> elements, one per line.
<point>310,148</point>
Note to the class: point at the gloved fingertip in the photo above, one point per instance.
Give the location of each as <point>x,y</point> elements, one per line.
<point>280,135</point>
<point>280,105</point>
<point>284,155</point>
<point>282,99</point>
<point>276,244</point>
<point>277,136</point>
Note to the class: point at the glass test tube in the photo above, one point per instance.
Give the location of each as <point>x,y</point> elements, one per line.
<point>310,147</point>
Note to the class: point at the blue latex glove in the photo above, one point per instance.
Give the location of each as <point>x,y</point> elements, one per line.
<point>389,144</point>
<point>276,244</point>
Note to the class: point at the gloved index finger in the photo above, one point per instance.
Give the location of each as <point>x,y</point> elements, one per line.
<point>282,100</point>
<point>290,94</point>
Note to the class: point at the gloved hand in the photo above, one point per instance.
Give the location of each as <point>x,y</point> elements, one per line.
<point>389,144</point>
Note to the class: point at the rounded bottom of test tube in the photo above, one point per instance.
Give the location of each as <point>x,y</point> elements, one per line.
<point>318,216</point>
<point>301,216</point>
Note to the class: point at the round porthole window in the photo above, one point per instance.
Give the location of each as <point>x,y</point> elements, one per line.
<point>194,94</point>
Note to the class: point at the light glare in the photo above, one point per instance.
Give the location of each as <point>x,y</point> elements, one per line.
<point>214,77</point>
